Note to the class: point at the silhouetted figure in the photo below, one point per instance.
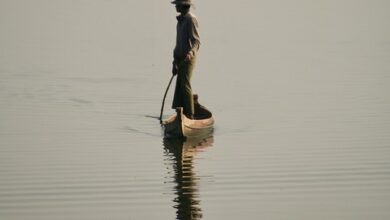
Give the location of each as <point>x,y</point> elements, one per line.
<point>184,56</point>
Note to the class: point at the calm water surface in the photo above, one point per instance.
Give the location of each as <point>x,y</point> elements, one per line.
<point>300,93</point>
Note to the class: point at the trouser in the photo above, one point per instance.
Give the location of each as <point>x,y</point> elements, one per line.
<point>183,92</point>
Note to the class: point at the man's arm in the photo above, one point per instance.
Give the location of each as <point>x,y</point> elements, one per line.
<point>194,38</point>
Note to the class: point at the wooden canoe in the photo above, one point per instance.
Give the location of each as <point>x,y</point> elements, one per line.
<point>180,126</point>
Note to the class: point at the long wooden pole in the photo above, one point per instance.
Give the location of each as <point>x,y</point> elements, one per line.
<point>165,95</point>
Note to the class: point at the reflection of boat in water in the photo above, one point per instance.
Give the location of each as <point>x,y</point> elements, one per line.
<point>179,125</point>
<point>181,153</point>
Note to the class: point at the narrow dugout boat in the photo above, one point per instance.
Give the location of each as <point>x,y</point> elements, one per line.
<point>180,126</point>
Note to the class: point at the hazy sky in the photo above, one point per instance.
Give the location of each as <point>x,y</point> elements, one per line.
<point>87,36</point>
<point>81,36</point>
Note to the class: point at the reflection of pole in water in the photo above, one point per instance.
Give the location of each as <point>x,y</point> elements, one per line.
<point>187,191</point>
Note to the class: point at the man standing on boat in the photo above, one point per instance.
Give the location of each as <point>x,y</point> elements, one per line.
<point>187,46</point>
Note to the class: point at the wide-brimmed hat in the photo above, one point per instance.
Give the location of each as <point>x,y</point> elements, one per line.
<point>182,2</point>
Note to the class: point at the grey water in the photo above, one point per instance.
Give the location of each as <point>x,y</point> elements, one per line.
<point>300,91</point>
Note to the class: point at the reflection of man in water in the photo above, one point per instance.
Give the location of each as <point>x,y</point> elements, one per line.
<point>187,45</point>
<point>182,155</point>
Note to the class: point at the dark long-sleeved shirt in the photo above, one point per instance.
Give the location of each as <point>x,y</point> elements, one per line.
<point>187,37</point>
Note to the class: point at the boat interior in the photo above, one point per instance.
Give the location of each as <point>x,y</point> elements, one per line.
<point>201,112</point>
